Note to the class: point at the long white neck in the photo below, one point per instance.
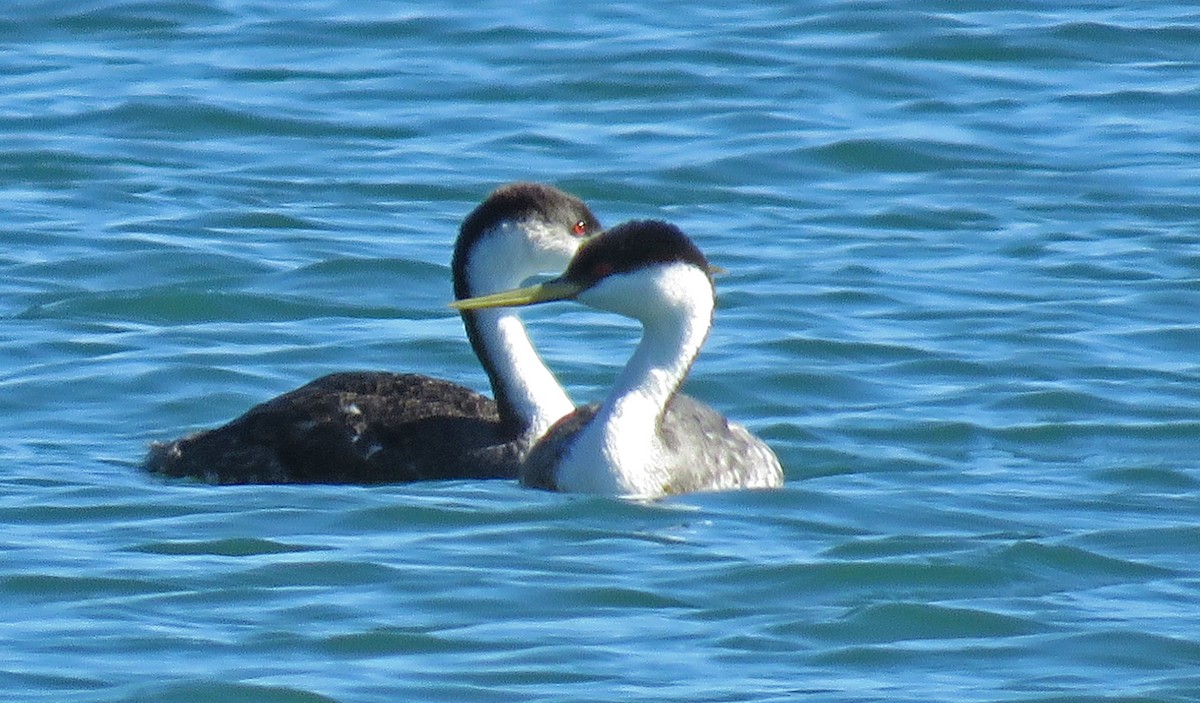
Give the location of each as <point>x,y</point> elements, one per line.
<point>521,383</point>
<point>619,451</point>
<point>519,376</point>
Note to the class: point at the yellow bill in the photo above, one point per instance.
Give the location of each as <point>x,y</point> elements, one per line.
<point>540,293</point>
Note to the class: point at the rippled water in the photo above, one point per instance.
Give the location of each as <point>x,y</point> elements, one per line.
<point>964,253</point>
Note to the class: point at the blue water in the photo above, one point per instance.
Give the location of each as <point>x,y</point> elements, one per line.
<point>963,243</point>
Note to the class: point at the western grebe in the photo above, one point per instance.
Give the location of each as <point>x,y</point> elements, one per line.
<point>378,427</point>
<point>645,440</point>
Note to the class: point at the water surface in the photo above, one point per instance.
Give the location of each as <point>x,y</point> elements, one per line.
<point>964,274</point>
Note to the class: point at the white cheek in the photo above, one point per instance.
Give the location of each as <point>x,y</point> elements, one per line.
<point>514,251</point>
<point>607,296</point>
<point>550,248</point>
<point>645,294</point>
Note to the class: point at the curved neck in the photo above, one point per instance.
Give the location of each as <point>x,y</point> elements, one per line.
<point>619,452</point>
<point>528,396</point>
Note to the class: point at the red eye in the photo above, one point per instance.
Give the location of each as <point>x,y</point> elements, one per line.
<point>601,270</point>
<point>580,228</point>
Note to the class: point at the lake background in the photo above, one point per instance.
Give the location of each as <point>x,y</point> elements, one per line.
<point>963,243</point>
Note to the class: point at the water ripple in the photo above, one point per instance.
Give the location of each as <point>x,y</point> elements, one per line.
<point>963,273</point>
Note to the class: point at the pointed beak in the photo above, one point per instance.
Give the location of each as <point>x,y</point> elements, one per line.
<point>540,293</point>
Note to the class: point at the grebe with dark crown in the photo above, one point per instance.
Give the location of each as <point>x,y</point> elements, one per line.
<point>369,427</point>
<point>645,440</point>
